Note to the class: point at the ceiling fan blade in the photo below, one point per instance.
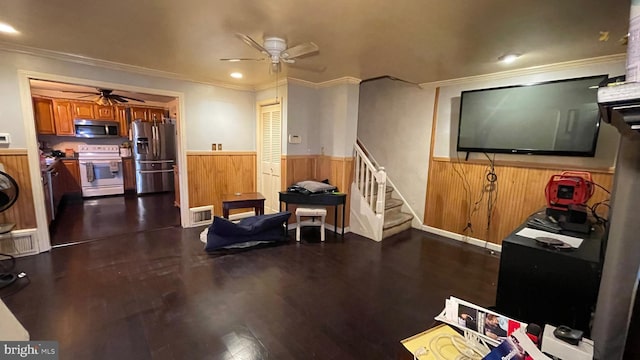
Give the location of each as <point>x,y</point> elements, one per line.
<point>308,67</point>
<point>86,96</point>
<point>127,97</point>
<point>254,44</point>
<point>82,92</point>
<point>118,98</point>
<point>241,59</point>
<point>299,50</point>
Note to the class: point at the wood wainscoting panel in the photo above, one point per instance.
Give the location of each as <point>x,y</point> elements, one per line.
<point>23,212</point>
<point>456,197</point>
<point>213,174</point>
<point>338,170</point>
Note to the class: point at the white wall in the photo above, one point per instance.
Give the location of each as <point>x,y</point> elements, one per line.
<point>394,125</point>
<point>338,121</point>
<point>212,114</point>
<point>303,120</point>
<point>448,111</point>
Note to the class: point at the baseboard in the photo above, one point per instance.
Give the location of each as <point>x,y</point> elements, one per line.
<point>463,238</point>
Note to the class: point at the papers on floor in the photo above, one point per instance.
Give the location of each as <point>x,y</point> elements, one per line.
<point>574,242</point>
<point>488,325</point>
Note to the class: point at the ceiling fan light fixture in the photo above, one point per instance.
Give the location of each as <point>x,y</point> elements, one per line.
<point>508,58</point>
<point>236,75</point>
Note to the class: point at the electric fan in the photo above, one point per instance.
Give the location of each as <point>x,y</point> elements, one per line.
<point>8,196</point>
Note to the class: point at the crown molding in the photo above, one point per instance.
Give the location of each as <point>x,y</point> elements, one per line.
<point>529,71</point>
<point>112,65</point>
<point>271,85</point>
<point>346,80</point>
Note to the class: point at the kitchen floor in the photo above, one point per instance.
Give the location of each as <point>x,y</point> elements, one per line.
<point>91,219</point>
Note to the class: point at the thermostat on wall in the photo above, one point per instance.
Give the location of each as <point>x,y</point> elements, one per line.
<point>295,139</point>
<point>5,138</point>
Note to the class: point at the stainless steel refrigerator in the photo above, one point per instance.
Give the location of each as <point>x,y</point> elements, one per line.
<point>154,153</point>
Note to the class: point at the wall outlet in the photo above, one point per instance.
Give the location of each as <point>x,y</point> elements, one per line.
<point>214,147</point>
<point>220,147</point>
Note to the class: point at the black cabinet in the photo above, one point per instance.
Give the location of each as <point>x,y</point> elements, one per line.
<point>546,286</point>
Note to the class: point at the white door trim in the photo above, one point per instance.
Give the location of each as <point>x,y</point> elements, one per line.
<point>34,156</point>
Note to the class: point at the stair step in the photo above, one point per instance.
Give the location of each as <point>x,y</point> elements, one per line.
<point>396,223</point>
<point>392,205</point>
<point>396,219</point>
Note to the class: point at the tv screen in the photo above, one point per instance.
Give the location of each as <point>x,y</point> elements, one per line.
<point>552,118</point>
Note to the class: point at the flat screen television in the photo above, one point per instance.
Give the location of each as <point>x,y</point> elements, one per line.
<point>551,118</point>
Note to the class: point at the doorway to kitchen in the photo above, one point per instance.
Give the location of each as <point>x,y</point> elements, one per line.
<point>108,160</point>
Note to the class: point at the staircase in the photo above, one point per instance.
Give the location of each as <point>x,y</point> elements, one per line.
<point>375,213</point>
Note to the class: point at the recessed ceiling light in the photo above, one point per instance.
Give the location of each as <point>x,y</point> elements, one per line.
<point>236,75</point>
<point>6,28</point>
<point>508,58</point>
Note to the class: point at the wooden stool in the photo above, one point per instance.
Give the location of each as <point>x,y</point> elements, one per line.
<point>312,212</point>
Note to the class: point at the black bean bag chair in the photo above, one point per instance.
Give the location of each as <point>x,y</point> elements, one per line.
<point>250,231</point>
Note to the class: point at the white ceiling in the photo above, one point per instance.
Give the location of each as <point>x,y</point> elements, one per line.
<point>415,40</point>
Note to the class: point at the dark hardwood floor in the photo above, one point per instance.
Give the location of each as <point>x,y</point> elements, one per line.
<point>104,217</point>
<point>158,295</point>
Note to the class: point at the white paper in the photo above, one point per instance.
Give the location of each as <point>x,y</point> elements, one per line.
<point>574,242</point>
<point>528,345</point>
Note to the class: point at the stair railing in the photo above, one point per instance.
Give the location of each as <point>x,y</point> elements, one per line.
<point>370,180</point>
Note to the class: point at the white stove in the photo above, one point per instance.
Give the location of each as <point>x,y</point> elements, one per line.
<point>100,170</point>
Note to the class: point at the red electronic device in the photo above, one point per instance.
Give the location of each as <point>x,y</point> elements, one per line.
<point>569,189</point>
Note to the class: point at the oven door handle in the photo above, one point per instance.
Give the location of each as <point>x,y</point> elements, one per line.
<point>99,162</point>
<point>154,171</point>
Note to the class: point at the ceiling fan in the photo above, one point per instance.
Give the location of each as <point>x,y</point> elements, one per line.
<point>276,51</point>
<point>106,97</point>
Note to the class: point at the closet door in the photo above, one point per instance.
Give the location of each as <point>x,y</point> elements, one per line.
<point>270,148</point>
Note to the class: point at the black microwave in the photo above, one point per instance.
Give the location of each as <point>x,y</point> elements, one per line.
<point>96,128</point>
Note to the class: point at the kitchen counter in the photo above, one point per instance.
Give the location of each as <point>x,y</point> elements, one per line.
<point>45,168</point>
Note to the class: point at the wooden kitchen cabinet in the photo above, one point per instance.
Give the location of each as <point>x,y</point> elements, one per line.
<point>121,117</point>
<point>63,118</point>
<point>129,174</point>
<point>83,110</point>
<point>156,114</point>
<point>176,186</point>
<point>71,176</point>
<point>104,112</point>
<point>44,116</point>
<point>139,113</point>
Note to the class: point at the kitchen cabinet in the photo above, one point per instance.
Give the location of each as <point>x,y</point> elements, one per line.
<point>71,176</point>
<point>156,114</point>
<point>104,112</point>
<point>121,117</point>
<point>63,118</point>
<point>43,114</point>
<point>46,179</point>
<point>57,185</point>
<point>83,110</point>
<point>139,113</point>
<point>176,184</point>
<point>146,113</point>
<point>129,174</point>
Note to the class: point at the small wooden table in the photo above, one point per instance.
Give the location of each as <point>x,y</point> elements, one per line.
<point>253,200</point>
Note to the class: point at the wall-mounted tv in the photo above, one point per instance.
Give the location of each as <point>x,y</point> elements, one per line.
<point>551,118</point>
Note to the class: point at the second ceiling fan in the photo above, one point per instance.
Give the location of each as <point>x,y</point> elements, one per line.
<point>276,51</point>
